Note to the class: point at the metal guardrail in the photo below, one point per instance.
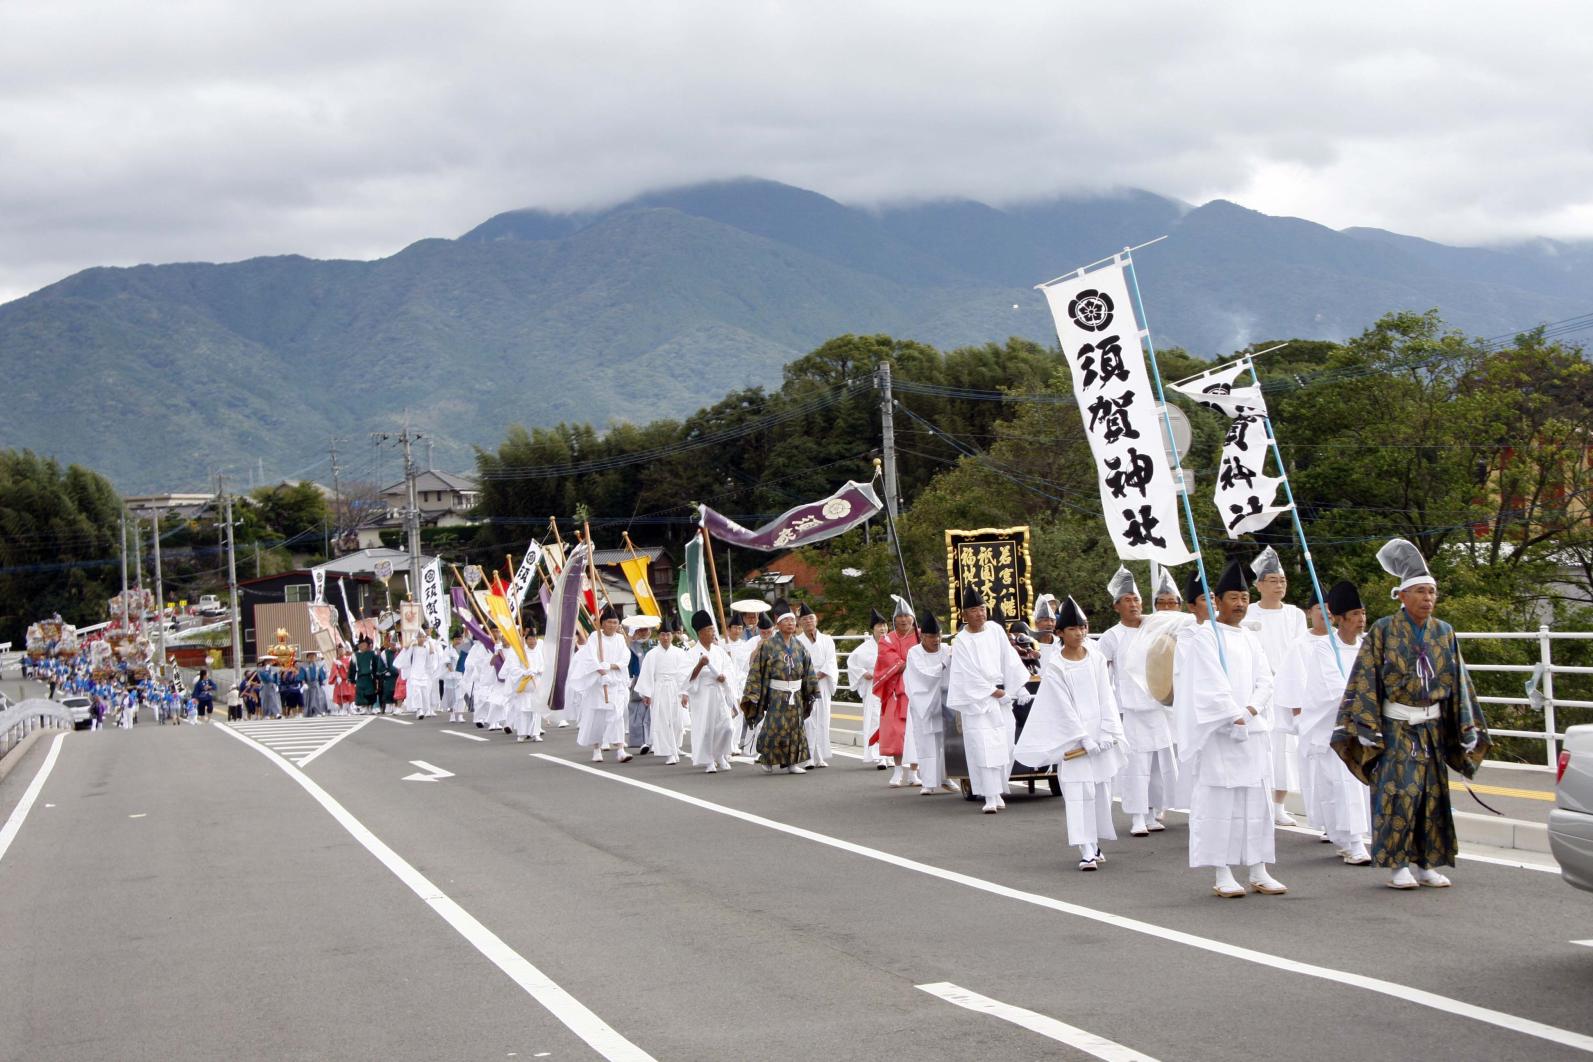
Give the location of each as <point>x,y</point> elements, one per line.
<point>36,713</point>
<point>1550,735</point>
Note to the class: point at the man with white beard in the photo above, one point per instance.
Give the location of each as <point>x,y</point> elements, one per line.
<point>520,683</point>
<point>712,692</point>
<point>1311,686</point>
<point>1223,700</point>
<point>927,679</point>
<point>1279,625</point>
<point>600,679</point>
<point>1074,724</point>
<point>985,676</point>
<point>860,680</point>
<point>661,686</point>
<point>1150,774</point>
<point>827,668</point>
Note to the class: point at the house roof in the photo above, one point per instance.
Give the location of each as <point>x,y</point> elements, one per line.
<point>434,479</point>
<point>363,562</point>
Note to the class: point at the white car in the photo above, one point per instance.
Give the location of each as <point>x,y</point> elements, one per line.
<point>1571,821</point>
<point>79,708</point>
<point>210,605</point>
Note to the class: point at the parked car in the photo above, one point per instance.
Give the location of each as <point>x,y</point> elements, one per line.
<point>210,605</point>
<point>1571,821</point>
<point>79,708</point>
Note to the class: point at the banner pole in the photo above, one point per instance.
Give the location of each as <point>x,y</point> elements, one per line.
<point>1172,448</point>
<point>719,598</point>
<point>1294,515</point>
<point>896,542</point>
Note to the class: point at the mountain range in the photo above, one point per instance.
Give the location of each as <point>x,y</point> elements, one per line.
<point>156,374</point>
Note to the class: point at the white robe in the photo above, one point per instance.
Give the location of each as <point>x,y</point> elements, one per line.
<point>711,703</point>
<point>1076,705</point>
<point>477,680</point>
<point>421,667</point>
<point>662,682</point>
<point>524,717</point>
<point>740,654</point>
<point>1335,801</point>
<point>1230,811</point>
<point>1149,777</point>
<point>603,690</point>
<point>979,663</point>
<point>821,650</point>
<point>926,679</point>
<point>1279,629</point>
<point>860,680</point>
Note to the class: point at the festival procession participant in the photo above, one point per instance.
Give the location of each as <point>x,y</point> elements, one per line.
<point>494,689</point>
<point>343,681</point>
<point>520,686</point>
<point>710,685</point>
<point>1279,625</point>
<point>661,686</point>
<point>414,664</point>
<point>204,694</point>
<point>600,679</point>
<point>985,677</point>
<point>314,675</point>
<point>291,682</point>
<point>741,656</point>
<point>389,689</point>
<point>895,738</point>
<point>367,672</point>
<point>478,673</point>
<point>925,679</point>
<point>1150,773</point>
<point>827,669</point>
<point>1409,710</point>
<point>1043,627</point>
<point>1311,687</point>
<point>638,642</point>
<point>1167,598</point>
<point>860,664</point>
<point>452,678</point>
<point>270,688</point>
<point>1223,703</point>
<point>779,695</point>
<point>1074,724</point>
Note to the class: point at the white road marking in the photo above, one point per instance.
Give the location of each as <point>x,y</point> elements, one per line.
<point>1420,997</point>
<point>461,733</point>
<point>400,722</point>
<point>140,815</point>
<point>1584,943</point>
<point>566,1008</point>
<point>19,814</point>
<point>435,772</point>
<point>1088,1042</point>
<point>301,740</point>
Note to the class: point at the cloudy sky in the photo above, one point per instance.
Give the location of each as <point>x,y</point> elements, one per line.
<point>222,129</point>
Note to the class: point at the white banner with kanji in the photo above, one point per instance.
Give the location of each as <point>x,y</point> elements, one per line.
<point>1247,498</point>
<point>1100,338</point>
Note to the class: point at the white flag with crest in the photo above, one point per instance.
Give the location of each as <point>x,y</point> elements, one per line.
<point>1100,338</point>
<point>1247,498</point>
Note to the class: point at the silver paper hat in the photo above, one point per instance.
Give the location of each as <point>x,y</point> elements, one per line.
<point>1404,561</point>
<point>1266,563</point>
<point>1122,584</point>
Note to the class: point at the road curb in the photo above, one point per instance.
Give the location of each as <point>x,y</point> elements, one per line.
<point>9,761</point>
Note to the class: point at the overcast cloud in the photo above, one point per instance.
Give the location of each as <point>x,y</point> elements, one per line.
<point>220,130</point>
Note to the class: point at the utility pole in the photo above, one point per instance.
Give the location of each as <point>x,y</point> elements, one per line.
<point>138,561</point>
<point>337,496</point>
<point>888,430</point>
<point>412,514</point>
<point>127,619</point>
<point>232,589</point>
<point>160,602</point>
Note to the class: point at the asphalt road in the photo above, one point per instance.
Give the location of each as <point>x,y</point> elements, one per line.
<point>176,893</point>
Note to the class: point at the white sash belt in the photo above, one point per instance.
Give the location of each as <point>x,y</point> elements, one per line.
<point>1404,713</point>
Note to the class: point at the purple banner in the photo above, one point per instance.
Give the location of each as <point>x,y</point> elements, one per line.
<point>806,524</point>
<point>467,617</point>
<point>564,616</point>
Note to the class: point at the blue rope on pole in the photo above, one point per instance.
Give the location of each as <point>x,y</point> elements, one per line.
<point>1172,448</point>
<point>1294,514</point>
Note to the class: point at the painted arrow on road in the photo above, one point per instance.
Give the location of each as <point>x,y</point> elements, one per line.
<point>436,772</point>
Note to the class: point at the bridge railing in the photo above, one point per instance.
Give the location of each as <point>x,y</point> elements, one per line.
<point>1515,674</point>
<point>20,720</point>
